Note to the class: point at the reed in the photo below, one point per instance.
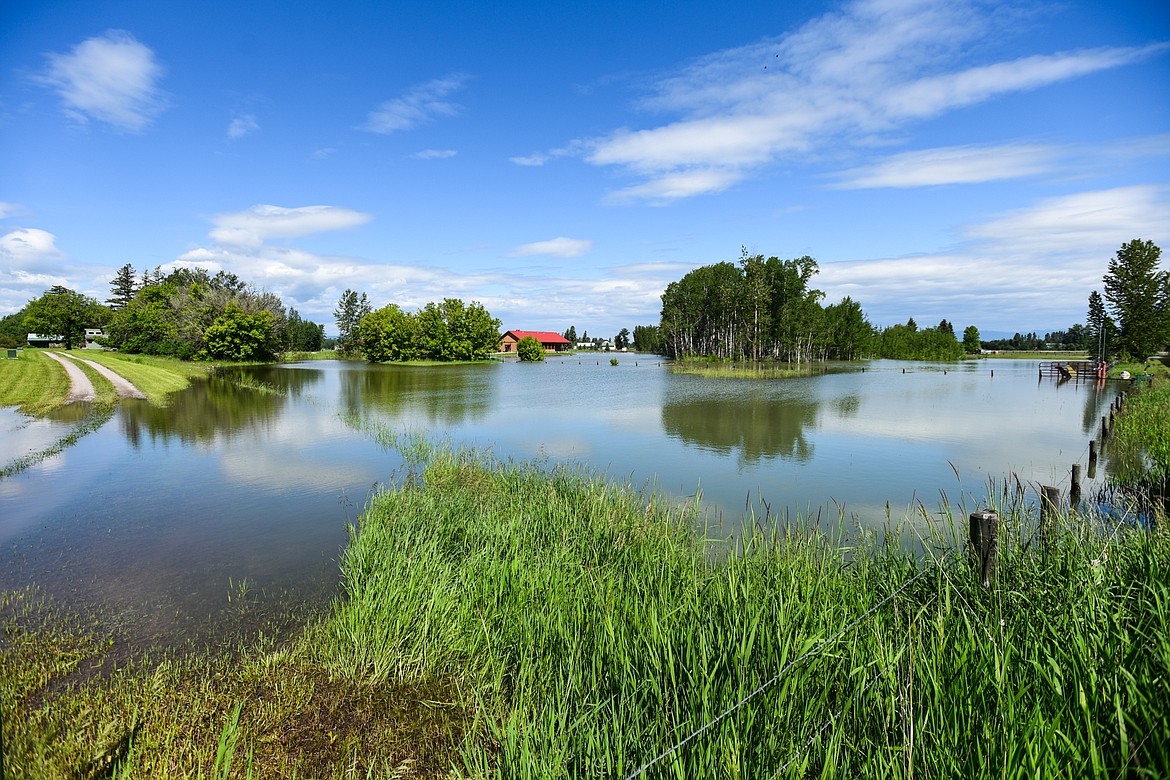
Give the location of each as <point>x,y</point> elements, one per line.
<point>593,629</point>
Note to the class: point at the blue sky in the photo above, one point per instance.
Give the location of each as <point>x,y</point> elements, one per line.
<point>973,161</point>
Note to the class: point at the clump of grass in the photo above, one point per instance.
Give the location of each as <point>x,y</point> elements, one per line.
<point>725,370</point>
<point>593,631</point>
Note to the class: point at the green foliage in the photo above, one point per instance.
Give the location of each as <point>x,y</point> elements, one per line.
<point>349,313</point>
<point>647,338</point>
<point>240,335</point>
<point>901,342</point>
<point>445,331</point>
<point>622,339</point>
<point>1139,295</point>
<point>571,335</point>
<point>64,313</point>
<point>528,349</point>
<point>171,316</point>
<point>302,335</point>
<point>759,310</point>
<point>389,335</point>
<point>122,287</point>
<point>971,344</point>
<point>12,330</point>
<point>868,664</point>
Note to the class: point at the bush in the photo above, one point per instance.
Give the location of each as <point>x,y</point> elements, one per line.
<point>529,349</point>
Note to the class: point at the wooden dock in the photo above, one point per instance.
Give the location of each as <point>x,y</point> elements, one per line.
<point>1069,369</point>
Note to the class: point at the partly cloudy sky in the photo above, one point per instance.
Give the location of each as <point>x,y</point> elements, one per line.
<point>958,159</point>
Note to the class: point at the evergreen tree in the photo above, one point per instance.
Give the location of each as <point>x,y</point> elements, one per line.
<point>123,287</point>
<point>349,313</point>
<point>1138,295</point>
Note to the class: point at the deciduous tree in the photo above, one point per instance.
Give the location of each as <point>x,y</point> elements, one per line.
<point>528,349</point>
<point>65,313</point>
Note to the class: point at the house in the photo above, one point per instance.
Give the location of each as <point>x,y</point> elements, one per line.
<point>37,340</point>
<point>552,342</point>
<point>91,337</point>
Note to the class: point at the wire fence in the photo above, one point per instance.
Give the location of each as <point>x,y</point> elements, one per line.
<point>860,619</point>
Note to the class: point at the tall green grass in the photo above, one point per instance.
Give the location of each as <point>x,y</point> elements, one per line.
<point>593,630</point>
<point>506,620</point>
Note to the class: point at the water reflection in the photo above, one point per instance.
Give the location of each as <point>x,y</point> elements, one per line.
<point>435,395</point>
<point>754,426</point>
<point>208,409</point>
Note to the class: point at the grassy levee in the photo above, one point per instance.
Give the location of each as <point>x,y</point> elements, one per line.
<point>508,620</point>
<point>34,382</point>
<point>156,377</point>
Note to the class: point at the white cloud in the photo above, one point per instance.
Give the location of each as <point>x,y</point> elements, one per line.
<point>531,160</point>
<point>953,165</point>
<point>253,226</point>
<point>111,78</point>
<point>1031,267</point>
<point>419,105</point>
<point>27,247</point>
<point>849,77</point>
<point>435,154</point>
<point>242,125</point>
<point>557,247</point>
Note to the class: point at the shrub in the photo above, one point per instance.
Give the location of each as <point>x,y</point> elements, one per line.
<point>529,349</point>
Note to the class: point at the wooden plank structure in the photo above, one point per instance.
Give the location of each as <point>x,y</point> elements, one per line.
<point>1068,369</point>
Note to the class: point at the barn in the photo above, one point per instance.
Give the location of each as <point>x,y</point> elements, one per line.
<point>552,342</point>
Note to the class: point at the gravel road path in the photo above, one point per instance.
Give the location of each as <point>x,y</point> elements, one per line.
<point>123,386</point>
<point>80,388</point>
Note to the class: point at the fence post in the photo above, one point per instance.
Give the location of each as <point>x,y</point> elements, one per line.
<point>984,541</point>
<point>1074,488</point>
<point>1092,451</point>
<point>1049,504</point>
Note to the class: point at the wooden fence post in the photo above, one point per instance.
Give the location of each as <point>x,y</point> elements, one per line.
<point>1092,450</point>
<point>1074,488</point>
<point>1049,504</point>
<point>984,541</point>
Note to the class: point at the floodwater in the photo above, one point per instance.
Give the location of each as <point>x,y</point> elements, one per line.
<point>162,516</point>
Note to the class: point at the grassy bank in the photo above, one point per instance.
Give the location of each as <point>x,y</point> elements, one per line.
<point>509,621</point>
<point>716,369</point>
<point>34,382</point>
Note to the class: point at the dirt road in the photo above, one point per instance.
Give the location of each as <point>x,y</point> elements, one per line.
<point>81,389</point>
<point>121,385</point>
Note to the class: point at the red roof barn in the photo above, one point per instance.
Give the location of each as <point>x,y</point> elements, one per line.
<point>552,342</point>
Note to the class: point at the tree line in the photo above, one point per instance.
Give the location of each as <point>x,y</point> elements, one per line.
<point>766,309</point>
<point>187,313</point>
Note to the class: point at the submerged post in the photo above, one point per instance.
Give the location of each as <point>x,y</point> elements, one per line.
<point>1049,504</point>
<point>1092,451</point>
<point>983,543</point>
<point>1074,488</point>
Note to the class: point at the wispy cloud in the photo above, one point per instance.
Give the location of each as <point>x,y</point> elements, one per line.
<point>557,247</point>
<point>251,227</point>
<point>434,154</point>
<point>419,105</point>
<point>1030,267</point>
<point>112,78</point>
<point>242,125</point>
<point>953,165</point>
<point>844,78</point>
